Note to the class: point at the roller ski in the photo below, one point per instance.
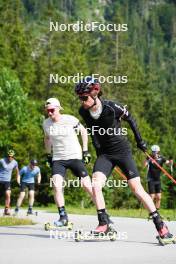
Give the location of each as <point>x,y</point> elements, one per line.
<point>31,212</point>
<point>60,224</point>
<point>109,234</point>
<point>104,230</point>
<point>165,237</point>
<point>166,240</point>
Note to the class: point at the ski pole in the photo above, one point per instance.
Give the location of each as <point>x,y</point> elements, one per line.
<point>120,173</point>
<point>161,168</point>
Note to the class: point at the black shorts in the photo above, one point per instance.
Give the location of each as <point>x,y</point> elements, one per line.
<point>5,186</point>
<point>76,166</point>
<point>106,163</point>
<point>154,187</point>
<point>25,185</point>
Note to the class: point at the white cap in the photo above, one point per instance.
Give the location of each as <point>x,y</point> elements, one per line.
<point>155,148</point>
<point>53,102</point>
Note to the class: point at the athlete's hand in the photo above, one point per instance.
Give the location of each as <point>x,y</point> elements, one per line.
<point>86,157</point>
<point>49,161</point>
<point>142,145</point>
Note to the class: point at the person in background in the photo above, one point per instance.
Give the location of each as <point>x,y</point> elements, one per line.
<point>154,174</point>
<point>28,175</point>
<point>7,165</point>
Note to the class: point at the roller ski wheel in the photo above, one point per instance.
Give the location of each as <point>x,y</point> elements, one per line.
<point>78,236</point>
<point>49,226</point>
<point>166,241</point>
<point>70,226</point>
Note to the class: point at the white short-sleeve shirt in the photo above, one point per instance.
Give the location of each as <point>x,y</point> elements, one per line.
<point>63,137</point>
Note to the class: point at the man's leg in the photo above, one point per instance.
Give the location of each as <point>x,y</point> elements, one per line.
<point>21,197</point>
<point>31,198</point>
<point>58,189</point>
<point>98,182</point>
<point>137,188</point>
<point>158,195</point>
<point>102,168</point>
<point>31,189</point>
<point>158,200</point>
<point>7,202</point>
<point>87,185</point>
<point>152,195</point>
<point>144,197</point>
<point>7,198</point>
<point>151,188</point>
<point>20,200</point>
<point>7,189</point>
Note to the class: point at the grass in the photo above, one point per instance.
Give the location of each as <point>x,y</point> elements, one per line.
<point>134,213</point>
<point>12,221</point>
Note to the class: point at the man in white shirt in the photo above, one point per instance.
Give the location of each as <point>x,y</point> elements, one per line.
<point>62,141</point>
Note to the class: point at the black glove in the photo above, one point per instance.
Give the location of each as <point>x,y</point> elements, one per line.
<point>142,145</point>
<point>49,161</point>
<point>86,157</point>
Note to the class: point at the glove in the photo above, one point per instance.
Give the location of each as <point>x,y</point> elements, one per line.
<point>49,161</point>
<point>142,145</point>
<point>86,157</point>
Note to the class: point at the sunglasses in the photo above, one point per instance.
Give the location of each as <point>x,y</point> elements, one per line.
<point>51,110</point>
<point>83,98</point>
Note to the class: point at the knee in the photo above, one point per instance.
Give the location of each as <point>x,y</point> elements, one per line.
<point>57,183</point>
<point>22,194</point>
<point>158,197</point>
<point>31,193</point>
<point>7,194</point>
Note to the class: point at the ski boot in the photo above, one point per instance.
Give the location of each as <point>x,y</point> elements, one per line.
<point>7,211</point>
<point>29,211</point>
<point>16,211</point>
<point>165,237</point>
<point>105,226</point>
<point>62,221</point>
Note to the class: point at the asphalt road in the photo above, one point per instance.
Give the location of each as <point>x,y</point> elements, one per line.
<point>136,243</point>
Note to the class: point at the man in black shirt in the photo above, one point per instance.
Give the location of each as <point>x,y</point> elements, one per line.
<point>103,119</point>
<point>154,173</point>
